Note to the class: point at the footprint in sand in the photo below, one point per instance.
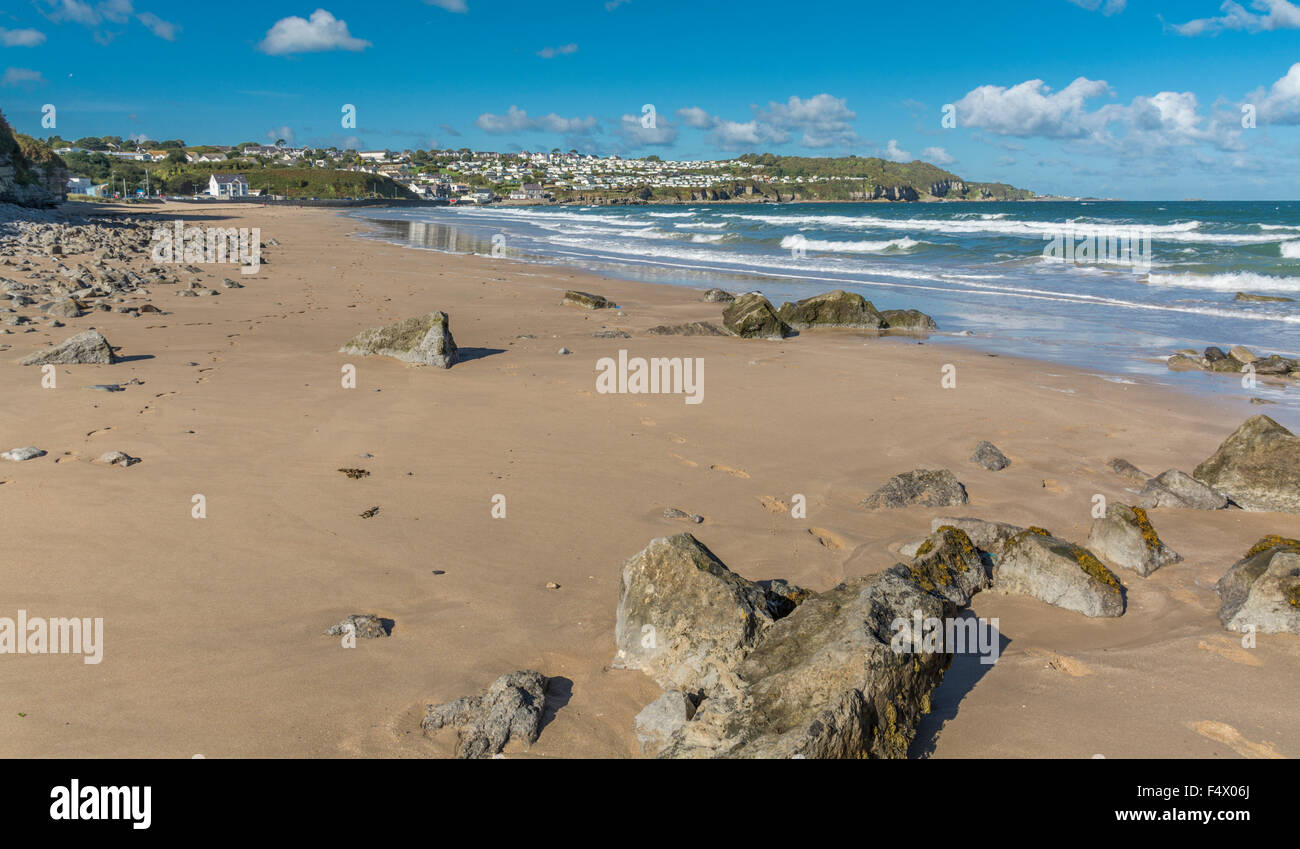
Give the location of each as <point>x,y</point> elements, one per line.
<point>1061,663</point>
<point>98,431</point>
<point>828,539</point>
<point>690,463</point>
<point>1222,732</point>
<point>718,467</point>
<point>1229,650</point>
<point>649,423</point>
<point>771,503</point>
<point>680,440</point>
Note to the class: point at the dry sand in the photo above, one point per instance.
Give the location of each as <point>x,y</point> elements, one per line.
<point>213,627</point>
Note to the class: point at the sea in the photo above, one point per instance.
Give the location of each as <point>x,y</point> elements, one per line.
<point>1113,287</point>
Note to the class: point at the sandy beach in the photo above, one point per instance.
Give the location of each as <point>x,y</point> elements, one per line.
<point>212,626</point>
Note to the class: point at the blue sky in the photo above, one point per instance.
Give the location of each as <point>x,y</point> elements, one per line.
<point>1137,99</point>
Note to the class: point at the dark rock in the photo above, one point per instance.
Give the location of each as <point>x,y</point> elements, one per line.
<point>832,309</point>
<point>987,455</point>
<point>751,316</point>
<point>694,328</point>
<point>930,488</point>
<point>362,625</point>
<point>587,301</point>
<point>910,320</point>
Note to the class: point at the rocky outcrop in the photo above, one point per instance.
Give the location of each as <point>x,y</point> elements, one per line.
<point>1235,361</point>
<point>587,300</point>
<point>1037,564</point>
<point>926,487</point>
<point>658,721</point>
<point>510,709</point>
<point>693,328</point>
<point>751,316</point>
<point>363,625</point>
<point>912,321</point>
<point>893,193</point>
<point>832,309</point>
<point>423,340</point>
<point>1172,488</point>
<point>31,174</point>
<point>1258,466</point>
<point>990,538</point>
<point>686,619</point>
<point>844,675</point>
<point>944,188</point>
<point>86,347</point>
<point>718,296</point>
<point>987,455</point>
<point>1262,590</point>
<point>1126,537</point>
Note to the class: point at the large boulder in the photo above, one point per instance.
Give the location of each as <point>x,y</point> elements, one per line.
<point>990,538</point>
<point>686,619</point>
<point>1037,564</point>
<point>1262,589</point>
<point>832,309</point>
<point>931,488</point>
<point>1126,537</point>
<point>658,721</point>
<point>751,315</point>
<point>510,709</point>
<point>1258,466</point>
<point>87,347</point>
<point>949,564</point>
<point>1172,488</point>
<point>843,676</point>
<point>424,340</point>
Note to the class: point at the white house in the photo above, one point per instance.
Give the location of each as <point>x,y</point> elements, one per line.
<point>79,185</point>
<point>373,155</point>
<point>215,156</point>
<point>227,185</point>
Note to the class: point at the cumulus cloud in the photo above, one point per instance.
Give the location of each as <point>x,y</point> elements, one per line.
<point>1280,103</point>
<point>937,155</point>
<point>562,50</point>
<point>635,135</point>
<point>21,37</point>
<point>819,121</point>
<point>1273,14</point>
<point>24,77</point>
<point>457,6</point>
<point>896,154</point>
<point>1032,109</point>
<point>276,133</point>
<point>518,120</point>
<point>322,31</point>
<point>1146,125</point>
<point>1106,7</point>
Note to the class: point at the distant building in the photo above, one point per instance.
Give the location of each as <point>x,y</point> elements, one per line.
<point>227,185</point>
<point>373,155</point>
<point>79,185</point>
<point>216,156</point>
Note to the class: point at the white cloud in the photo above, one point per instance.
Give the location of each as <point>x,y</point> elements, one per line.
<point>71,10</point>
<point>276,133</point>
<point>1274,14</point>
<point>25,77</point>
<point>1280,104</point>
<point>21,37</point>
<point>322,31</point>
<point>896,154</point>
<point>457,6</point>
<point>611,5</point>
<point>518,120</point>
<point>1031,109</point>
<point>635,135</point>
<point>163,29</point>
<point>694,116</point>
<point>937,155</point>
<point>1106,7</point>
<point>562,50</point>
<point>824,120</point>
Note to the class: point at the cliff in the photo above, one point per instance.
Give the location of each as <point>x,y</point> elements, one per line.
<point>31,174</point>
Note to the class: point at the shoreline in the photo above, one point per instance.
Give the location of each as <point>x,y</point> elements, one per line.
<point>213,640</point>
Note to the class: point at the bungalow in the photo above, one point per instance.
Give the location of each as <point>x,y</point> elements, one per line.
<point>79,185</point>
<point>373,155</point>
<point>227,185</point>
<point>216,156</point>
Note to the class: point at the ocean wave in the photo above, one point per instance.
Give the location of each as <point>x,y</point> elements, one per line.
<point>1290,250</point>
<point>705,225</point>
<point>1228,281</point>
<point>902,244</point>
<point>708,238</point>
<point>670,214</point>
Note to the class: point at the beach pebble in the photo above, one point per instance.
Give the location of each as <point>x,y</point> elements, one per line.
<point>118,458</point>
<point>551,585</point>
<point>565,351</point>
<point>19,454</point>
<point>365,625</point>
<point>107,387</point>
